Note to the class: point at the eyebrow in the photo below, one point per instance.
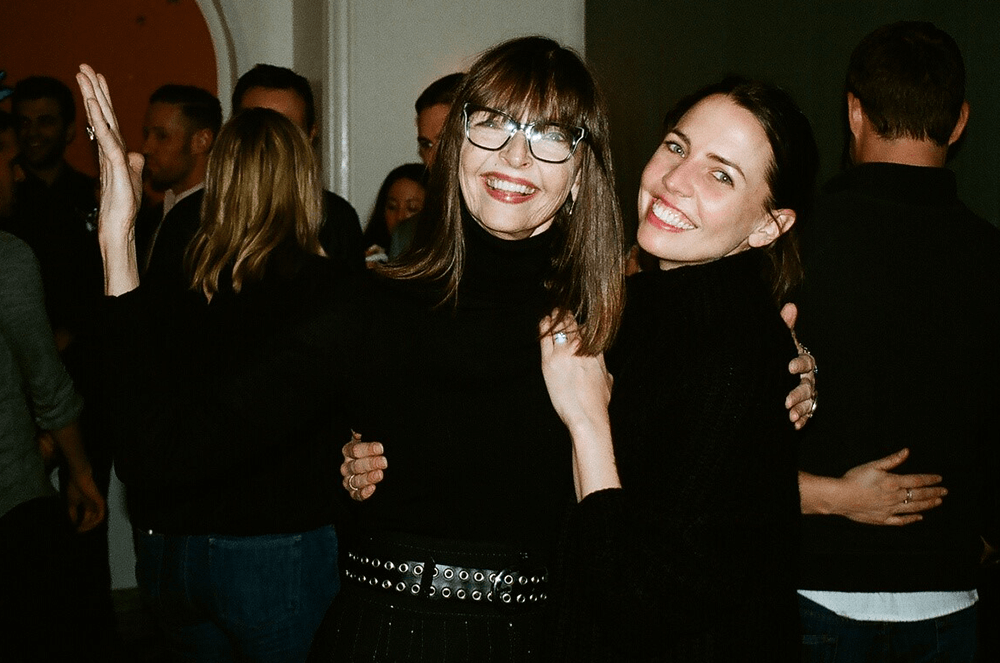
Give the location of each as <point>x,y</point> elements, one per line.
<point>711,155</point>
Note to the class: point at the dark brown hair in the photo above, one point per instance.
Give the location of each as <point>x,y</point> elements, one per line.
<point>910,80</point>
<point>791,173</point>
<point>535,77</point>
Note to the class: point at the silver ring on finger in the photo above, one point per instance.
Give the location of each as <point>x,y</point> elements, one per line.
<point>350,482</point>
<point>909,496</point>
<point>812,408</point>
<point>90,132</point>
<point>559,338</point>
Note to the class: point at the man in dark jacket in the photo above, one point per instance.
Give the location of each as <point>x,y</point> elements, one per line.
<point>902,305</point>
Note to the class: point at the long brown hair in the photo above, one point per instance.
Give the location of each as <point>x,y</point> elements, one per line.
<point>535,77</point>
<point>262,196</point>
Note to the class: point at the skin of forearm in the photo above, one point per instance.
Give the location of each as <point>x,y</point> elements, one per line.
<point>593,458</point>
<point>817,494</point>
<point>121,269</point>
<point>70,443</point>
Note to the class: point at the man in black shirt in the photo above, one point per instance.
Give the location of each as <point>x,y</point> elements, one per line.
<point>284,91</point>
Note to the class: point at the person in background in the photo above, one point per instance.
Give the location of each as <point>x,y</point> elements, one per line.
<point>895,260</point>
<point>284,91</point>
<point>46,604</point>
<point>400,197</point>
<point>433,106</point>
<point>56,205</point>
<point>178,132</point>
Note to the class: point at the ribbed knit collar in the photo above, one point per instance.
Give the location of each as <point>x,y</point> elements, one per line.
<point>898,183</point>
<point>503,267</point>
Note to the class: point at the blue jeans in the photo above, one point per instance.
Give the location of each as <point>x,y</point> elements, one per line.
<point>829,638</point>
<point>238,598</point>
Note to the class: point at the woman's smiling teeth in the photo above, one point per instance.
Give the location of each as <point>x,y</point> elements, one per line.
<point>508,186</point>
<point>670,217</point>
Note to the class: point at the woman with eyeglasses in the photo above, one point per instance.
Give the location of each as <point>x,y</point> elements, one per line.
<point>452,556</point>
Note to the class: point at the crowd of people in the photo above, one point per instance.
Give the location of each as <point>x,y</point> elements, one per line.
<point>547,462</point>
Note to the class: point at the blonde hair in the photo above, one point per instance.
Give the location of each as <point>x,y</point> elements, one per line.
<point>263,202</point>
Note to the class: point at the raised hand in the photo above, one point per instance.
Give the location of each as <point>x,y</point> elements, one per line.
<point>121,185</point>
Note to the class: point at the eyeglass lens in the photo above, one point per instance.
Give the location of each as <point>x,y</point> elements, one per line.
<point>491,129</point>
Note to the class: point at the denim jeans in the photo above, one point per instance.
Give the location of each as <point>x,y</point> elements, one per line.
<point>238,598</point>
<point>829,638</point>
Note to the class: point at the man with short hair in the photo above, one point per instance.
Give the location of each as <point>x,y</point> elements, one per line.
<point>178,133</point>
<point>56,205</point>
<point>288,93</point>
<point>433,106</point>
<point>902,305</point>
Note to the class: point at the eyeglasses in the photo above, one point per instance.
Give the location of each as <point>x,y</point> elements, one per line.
<point>490,129</point>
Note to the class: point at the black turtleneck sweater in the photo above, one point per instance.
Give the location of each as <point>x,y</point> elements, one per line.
<point>455,393</point>
<point>693,559</point>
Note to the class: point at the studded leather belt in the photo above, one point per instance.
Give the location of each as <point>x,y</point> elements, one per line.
<point>515,586</point>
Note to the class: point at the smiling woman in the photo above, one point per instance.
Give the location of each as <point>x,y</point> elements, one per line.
<point>457,545</point>
<point>699,370</point>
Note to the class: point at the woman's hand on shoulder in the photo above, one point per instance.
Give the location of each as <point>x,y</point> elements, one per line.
<point>579,385</point>
<point>363,467</point>
<point>801,401</point>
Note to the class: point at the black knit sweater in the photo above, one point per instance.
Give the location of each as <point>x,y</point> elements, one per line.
<point>692,560</point>
<point>901,304</point>
<point>455,393</point>
<point>228,416</point>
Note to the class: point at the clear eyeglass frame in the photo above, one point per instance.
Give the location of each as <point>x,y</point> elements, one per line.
<point>512,126</point>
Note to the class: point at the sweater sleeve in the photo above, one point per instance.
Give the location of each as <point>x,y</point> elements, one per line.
<point>25,327</point>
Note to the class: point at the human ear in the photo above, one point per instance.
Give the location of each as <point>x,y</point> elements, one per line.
<point>774,224</point>
<point>855,115</point>
<point>201,141</point>
<point>963,118</point>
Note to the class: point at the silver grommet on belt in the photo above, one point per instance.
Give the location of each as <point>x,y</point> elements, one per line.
<point>389,566</point>
<point>476,595</point>
<point>418,569</point>
<point>404,567</point>
<point>449,574</point>
<point>478,576</point>
<point>386,584</point>
<point>463,575</point>
<point>432,590</point>
<point>460,593</point>
<point>400,586</point>
<point>415,589</point>
<point>505,597</point>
